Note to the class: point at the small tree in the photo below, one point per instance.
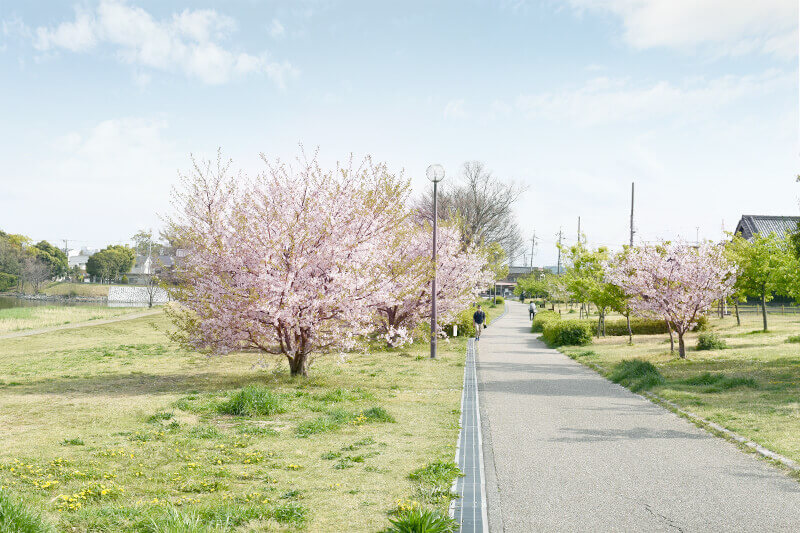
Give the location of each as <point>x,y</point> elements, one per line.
<point>460,273</point>
<point>35,271</point>
<point>762,264</point>
<point>675,282</point>
<point>288,263</point>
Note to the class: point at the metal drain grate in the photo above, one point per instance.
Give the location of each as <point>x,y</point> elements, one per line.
<point>470,510</point>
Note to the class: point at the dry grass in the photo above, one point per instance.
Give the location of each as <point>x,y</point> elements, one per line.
<point>120,405</point>
<point>35,317</point>
<point>752,386</point>
<point>90,290</point>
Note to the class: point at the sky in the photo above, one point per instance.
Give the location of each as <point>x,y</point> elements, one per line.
<point>696,101</point>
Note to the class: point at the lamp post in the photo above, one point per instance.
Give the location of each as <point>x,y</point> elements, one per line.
<point>435,173</point>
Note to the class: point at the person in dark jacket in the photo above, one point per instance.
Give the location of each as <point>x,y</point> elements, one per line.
<point>478,319</point>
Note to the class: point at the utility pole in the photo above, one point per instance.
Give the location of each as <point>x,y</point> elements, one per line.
<point>579,230</point>
<point>533,245</point>
<point>558,268</point>
<point>632,215</point>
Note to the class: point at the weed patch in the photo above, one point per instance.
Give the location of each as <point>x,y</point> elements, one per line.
<point>636,374</point>
<point>253,400</point>
<point>17,517</point>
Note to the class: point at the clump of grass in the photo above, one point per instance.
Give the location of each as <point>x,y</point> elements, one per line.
<point>205,432</point>
<point>720,382</point>
<point>636,374</point>
<point>291,513</point>
<point>421,520</point>
<point>378,414</point>
<point>584,353</point>
<point>160,416</point>
<point>794,339</point>
<point>253,400</point>
<point>72,442</point>
<point>437,473</point>
<point>331,421</point>
<point>260,431</point>
<point>17,517</point>
<point>710,341</point>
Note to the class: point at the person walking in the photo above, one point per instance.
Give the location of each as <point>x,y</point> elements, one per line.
<point>532,311</point>
<point>478,319</point>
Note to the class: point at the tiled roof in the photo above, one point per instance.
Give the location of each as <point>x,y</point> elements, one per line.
<point>749,225</point>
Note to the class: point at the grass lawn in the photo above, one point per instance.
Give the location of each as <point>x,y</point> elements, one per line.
<point>113,428</point>
<point>93,290</point>
<point>35,317</point>
<point>752,387</point>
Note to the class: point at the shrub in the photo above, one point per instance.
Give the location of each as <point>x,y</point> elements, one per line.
<point>636,374</point>
<point>17,517</point>
<point>795,339</point>
<point>567,333</point>
<point>702,324</point>
<point>710,341</point>
<point>124,279</point>
<point>7,281</point>
<point>541,317</point>
<point>464,322</point>
<point>499,300</point>
<point>639,326</point>
<point>421,521</point>
<point>253,400</point>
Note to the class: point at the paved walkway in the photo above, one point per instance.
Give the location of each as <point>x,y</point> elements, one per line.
<point>88,323</point>
<point>566,450</point>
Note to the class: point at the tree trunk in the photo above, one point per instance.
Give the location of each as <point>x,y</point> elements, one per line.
<point>603,318</point>
<point>630,332</point>
<point>299,365</point>
<point>764,309</point>
<point>671,339</point>
<point>681,346</point>
<point>736,310</point>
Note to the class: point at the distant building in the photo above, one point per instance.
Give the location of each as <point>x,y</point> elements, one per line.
<point>146,266</point>
<point>514,273</point>
<point>750,225</point>
<point>78,258</point>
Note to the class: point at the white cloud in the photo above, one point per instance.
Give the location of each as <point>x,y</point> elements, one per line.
<point>190,42</point>
<point>276,29</point>
<point>729,26</point>
<point>455,109</point>
<point>607,100</point>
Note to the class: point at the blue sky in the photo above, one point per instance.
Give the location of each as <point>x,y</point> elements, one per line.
<point>696,101</point>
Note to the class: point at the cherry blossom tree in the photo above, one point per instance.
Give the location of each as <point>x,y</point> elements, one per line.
<point>675,282</point>
<point>289,262</point>
<point>461,271</point>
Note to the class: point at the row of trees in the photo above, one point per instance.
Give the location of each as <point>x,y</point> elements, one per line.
<point>678,283</point>
<point>24,263</point>
<point>302,260</point>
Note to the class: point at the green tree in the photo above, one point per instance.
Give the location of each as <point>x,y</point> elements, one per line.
<point>146,245</point>
<point>53,257</point>
<point>111,262</point>
<point>764,264</point>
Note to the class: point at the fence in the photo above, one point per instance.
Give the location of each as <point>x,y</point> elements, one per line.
<point>771,309</point>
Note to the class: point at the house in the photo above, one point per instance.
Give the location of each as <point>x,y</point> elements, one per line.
<point>749,225</point>
<point>78,258</point>
<point>514,273</point>
<point>146,266</point>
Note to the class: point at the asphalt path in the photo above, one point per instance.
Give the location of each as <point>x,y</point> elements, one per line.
<point>567,450</point>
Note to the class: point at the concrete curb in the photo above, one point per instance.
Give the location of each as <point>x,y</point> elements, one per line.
<point>711,427</point>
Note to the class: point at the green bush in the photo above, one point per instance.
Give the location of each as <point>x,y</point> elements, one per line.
<point>17,517</point>
<point>639,326</point>
<point>124,279</point>
<point>253,400</point>
<point>702,324</point>
<point>421,521</point>
<point>464,322</point>
<point>541,318</point>
<point>500,300</point>
<point>710,341</point>
<point>567,333</point>
<point>636,374</point>
<point>795,339</point>
<point>7,281</point>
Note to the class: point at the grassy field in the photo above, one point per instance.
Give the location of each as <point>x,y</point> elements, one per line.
<point>35,317</point>
<point>751,387</point>
<point>113,428</point>
<point>90,290</point>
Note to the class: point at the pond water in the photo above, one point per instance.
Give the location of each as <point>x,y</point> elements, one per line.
<point>8,302</point>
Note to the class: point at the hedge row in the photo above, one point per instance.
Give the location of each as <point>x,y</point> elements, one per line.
<point>616,327</point>
<point>541,318</point>
<point>567,332</point>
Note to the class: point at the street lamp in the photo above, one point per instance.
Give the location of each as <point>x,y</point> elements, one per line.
<point>435,173</point>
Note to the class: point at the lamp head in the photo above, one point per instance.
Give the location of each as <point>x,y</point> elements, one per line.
<point>435,173</point>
